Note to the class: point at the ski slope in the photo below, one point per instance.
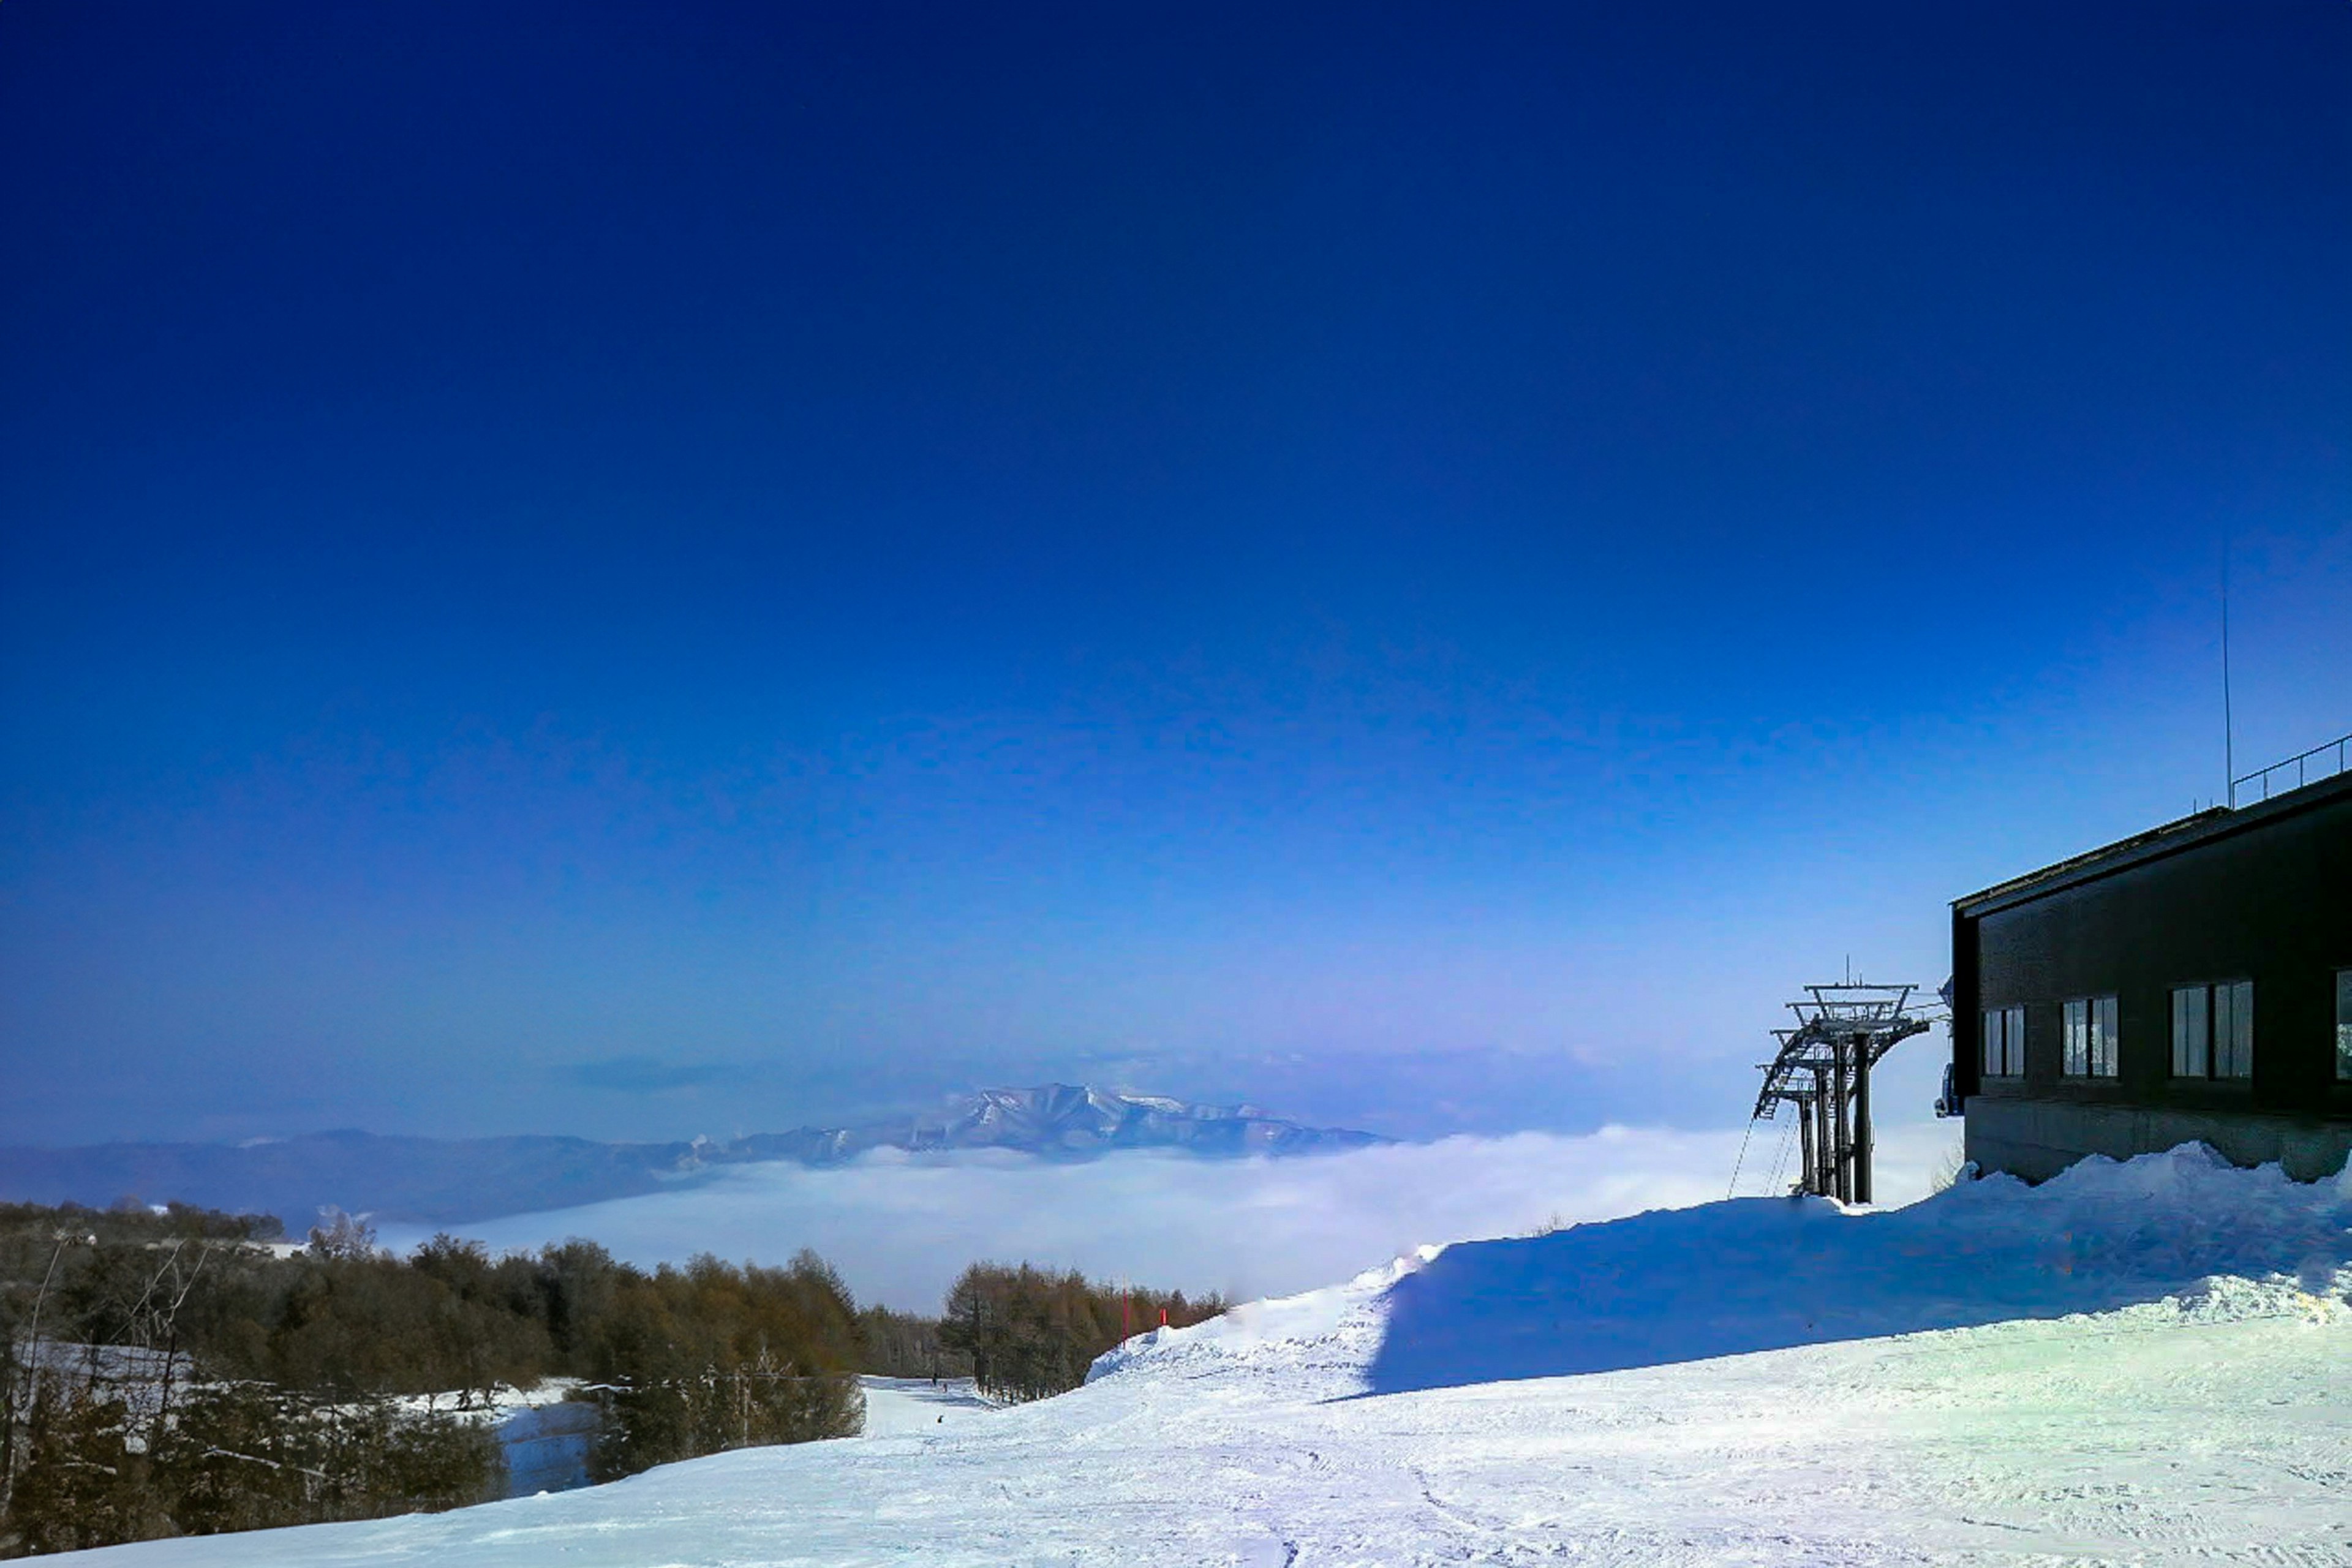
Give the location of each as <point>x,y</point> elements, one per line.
<point>918,1408</point>
<point>2146,1363</point>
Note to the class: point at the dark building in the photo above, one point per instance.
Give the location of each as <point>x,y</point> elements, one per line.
<point>2192,982</point>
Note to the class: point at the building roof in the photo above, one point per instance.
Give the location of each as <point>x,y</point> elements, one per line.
<point>2187,833</point>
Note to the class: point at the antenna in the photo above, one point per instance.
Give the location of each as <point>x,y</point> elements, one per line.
<point>2229,730</point>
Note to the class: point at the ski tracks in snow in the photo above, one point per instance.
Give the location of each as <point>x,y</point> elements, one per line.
<point>2197,1428</point>
<point>2110,1439</point>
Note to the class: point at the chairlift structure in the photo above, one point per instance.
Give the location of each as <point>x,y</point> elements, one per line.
<point>1822,1069</point>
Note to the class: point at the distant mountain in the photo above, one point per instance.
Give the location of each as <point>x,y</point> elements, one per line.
<point>434,1181</point>
<point>1061,1121</point>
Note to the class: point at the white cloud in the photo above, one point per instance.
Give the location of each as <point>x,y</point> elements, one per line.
<point>901,1227</point>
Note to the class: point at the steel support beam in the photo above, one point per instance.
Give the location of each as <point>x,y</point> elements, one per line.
<point>1840,1034</point>
<point>1862,1180</point>
<point>1823,1145</point>
<point>1842,1155</point>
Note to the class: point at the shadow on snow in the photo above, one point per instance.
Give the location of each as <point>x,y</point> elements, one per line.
<point>1755,1274</point>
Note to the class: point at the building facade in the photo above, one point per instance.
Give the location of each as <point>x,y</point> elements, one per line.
<point>2192,982</point>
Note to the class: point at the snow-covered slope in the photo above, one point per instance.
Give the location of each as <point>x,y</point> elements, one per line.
<point>2149,1364</point>
<point>918,1408</point>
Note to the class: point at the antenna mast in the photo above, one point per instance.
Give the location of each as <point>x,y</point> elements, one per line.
<point>2229,728</point>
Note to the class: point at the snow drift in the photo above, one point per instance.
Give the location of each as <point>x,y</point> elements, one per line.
<point>1754,1274</point>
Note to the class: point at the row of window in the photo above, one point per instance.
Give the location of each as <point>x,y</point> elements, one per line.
<point>2213,1034</point>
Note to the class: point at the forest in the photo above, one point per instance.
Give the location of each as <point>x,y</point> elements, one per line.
<point>177,1371</point>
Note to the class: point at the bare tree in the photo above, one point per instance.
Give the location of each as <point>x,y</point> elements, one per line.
<point>342,1235</point>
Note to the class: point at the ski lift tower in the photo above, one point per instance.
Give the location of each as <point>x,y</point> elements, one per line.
<point>1822,1069</point>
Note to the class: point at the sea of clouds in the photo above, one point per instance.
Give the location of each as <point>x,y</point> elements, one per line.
<point>901,1227</point>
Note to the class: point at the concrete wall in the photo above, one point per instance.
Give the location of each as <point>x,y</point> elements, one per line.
<point>2036,1139</point>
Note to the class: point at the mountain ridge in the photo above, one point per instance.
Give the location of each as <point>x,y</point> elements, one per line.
<point>405,1179</point>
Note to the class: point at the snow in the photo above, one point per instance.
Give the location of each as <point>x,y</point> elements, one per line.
<point>1781,1272</point>
<point>2146,1363</point>
<point>916,1406</point>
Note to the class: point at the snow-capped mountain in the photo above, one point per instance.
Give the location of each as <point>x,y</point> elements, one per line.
<point>1062,1120</point>
<point>432,1181</point>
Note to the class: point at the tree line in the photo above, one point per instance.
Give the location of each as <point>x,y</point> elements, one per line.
<point>1030,1332</point>
<point>907,1344</point>
<point>185,1372</point>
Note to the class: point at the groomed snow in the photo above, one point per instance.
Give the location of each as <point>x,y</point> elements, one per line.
<point>918,1408</point>
<point>2145,1364</point>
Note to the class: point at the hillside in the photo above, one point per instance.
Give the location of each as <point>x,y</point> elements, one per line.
<point>2143,1362</point>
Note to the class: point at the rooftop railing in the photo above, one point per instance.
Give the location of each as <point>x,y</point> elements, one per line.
<point>2330,759</point>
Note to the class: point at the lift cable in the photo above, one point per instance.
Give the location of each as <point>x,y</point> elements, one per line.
<point>1728,1191</point>
<point>1780,1155</point>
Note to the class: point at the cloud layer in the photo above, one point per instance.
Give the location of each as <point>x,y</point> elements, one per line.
<point>901,1227</point>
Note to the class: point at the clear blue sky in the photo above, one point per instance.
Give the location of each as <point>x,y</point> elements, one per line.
<point>653,570</point>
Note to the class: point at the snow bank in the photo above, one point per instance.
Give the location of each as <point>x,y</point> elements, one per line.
<point>1752,1274</point>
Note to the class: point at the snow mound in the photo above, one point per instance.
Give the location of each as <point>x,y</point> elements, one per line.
<point>2183,1233</point>
<point>1319,1337</point>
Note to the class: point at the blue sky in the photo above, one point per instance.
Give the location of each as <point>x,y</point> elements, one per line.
<point>578,568</point>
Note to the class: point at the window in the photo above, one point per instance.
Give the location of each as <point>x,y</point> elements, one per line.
<point>2233,1030</point>
<point>2005,1043</point>
<point>2344,1025</point>
<point>2191,1037</point>
<point>2213,1030</point>
<point>2090,1037</point>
